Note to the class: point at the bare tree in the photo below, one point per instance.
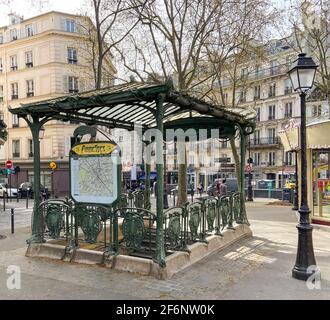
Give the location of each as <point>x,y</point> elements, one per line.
<point>112,22</point>
<point>236,46</point>
<point>309,22</point>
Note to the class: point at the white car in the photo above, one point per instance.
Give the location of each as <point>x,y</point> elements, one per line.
<point>11,192</point>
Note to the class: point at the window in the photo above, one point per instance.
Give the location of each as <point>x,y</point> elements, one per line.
<point>317,111</point>
<point>72,56</point>
<point>272,90</point>
<point>256,158</point>
<point>1,38</point>
<point>271,158</point>
<point>29,88</point>
<point>14,91</point>
<point>271,135</point>
<point>225,96</point>
<point>288,110</point>
<point>15,121</point>
<point>13,63</point>
<point>13,34</point>
<point>1,65</point>
<point>1,93</point>
<point>16,148</point>
<point>29,30</point>
<point>30,148</point>
<point>242,96</point>
<point>256,138</point>
<point>271,112</point>
<point>274,67</point>
<point>258,114</point>
<point>244,73</point>
<point>288,159</point>
<point>70,26</point>
<point>73,84</point>
<point>256,93</point>
<point>287,86</point>
<point>224,143</point>
<point>257,71</point>
<point>29,59</point>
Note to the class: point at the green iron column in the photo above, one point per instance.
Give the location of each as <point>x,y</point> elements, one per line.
<point>243,216</point>
<point>36,215</point>
<point>160,243</point>
<point>147,161</point>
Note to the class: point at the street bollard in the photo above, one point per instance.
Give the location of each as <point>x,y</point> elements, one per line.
<point>12,221</point>
<point>173,199</point>
<point>4,203</point>
<point>7,197</point>
<point>27,201</point>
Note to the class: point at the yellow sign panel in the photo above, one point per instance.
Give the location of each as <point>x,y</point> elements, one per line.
<point>93,148</point>
<point>53,165</point>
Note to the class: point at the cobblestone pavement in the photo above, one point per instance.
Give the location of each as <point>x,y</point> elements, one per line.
<point>254,268</point>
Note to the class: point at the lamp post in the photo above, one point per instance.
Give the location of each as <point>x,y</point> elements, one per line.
<point>302,75</point>
<point>250,161</point>
<point>295,191</point>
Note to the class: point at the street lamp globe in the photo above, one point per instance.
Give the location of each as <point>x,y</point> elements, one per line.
<point>302,73</point>
<point>41,132</point>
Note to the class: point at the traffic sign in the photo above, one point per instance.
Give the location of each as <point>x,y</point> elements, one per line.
<point>248,168</point>
<point>9,164</point>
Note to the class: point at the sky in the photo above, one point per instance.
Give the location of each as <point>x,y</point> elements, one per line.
<point>24,7</point>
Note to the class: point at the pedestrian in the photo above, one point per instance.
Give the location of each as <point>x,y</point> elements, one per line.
<point>223,188</point>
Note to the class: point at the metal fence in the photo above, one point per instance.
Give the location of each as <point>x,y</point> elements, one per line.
<point>130,229</point>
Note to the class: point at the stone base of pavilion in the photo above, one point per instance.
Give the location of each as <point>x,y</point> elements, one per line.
<point>175,262</point>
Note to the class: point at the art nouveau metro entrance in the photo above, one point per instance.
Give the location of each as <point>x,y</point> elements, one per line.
<point>129,228</point>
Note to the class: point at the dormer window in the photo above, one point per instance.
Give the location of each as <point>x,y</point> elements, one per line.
<point>13,34</point>
<point>29,30</point>
<point>70,26</point>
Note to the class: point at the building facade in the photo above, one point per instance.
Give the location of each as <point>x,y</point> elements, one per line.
<point>42,58</point>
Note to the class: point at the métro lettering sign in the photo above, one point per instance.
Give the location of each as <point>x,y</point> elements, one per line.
<point>95,173</point>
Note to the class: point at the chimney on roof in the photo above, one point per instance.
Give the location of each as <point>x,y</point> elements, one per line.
<point>14,18</point>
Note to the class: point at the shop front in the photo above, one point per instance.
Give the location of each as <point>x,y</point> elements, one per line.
<point>318,166</point>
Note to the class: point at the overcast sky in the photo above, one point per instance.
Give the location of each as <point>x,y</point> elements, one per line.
<point>23,7</point>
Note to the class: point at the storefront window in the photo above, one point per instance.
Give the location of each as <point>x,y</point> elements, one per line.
<point>321,184</point>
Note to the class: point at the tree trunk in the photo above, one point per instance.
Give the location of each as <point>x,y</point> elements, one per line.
<point>237,160</point>
<point>182,183</point>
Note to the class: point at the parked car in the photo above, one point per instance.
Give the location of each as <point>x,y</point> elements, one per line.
<point>232,186</point>
<point>26,190</point>
<point>5,190</point>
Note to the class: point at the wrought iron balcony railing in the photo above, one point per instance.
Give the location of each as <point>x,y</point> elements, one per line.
<point>16,155</point>
<point>264,141</point>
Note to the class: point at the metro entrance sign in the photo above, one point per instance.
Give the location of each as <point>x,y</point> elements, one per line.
<point>9,164</point>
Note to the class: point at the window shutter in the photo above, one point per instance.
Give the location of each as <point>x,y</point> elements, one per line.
<point>65,84</point>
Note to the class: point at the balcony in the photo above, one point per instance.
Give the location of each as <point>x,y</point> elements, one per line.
<point>16,155</point>
<point>30,154</point>
<point>288,90</point>
<point>73,90</point>
<point>271,117</point>
<point>72,61</point>
<point>30,94</point>
<point>13,68</point>
<point>14,96</point>
<point>264,142</point>
<point>29,64</point>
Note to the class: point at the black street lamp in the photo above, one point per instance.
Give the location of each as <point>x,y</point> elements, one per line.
<point>295,191</point>
<point>302,75</point>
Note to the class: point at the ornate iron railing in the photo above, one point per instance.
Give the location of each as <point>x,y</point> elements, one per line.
<point>131,230</point>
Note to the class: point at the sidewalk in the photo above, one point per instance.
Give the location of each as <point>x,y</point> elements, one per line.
<point>255,268</point>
